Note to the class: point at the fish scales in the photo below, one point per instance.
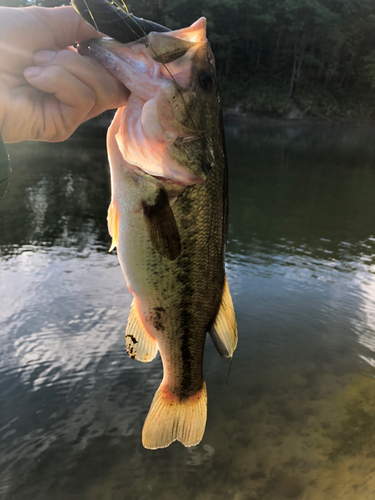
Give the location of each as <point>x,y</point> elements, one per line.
<point>168,218</point>
<point>190,287</point>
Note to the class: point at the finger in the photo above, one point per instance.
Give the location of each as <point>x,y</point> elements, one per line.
<point>58,81</point>
<point>110,93</point>
<point>65,24</point>
<point>26,30</point>
<point>13,81</point>
<point>68,105</point>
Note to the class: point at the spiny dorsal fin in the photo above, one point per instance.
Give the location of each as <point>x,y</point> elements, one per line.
<point>112,219</point>
<point>140,345</point>
<point>162,226</point>
<point>173,419</point>
<point>224,329</point>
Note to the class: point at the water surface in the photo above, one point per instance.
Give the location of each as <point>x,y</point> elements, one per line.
<point>297,417</point>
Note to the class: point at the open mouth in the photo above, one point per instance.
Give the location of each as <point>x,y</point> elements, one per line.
<point>147,127</point>
<point>132,68</point>
<point>92,48</point>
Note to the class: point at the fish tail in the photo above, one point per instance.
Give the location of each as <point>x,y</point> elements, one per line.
<point>174,419</point>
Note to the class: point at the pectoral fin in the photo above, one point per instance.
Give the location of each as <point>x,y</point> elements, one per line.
<point>162,227</point>
<point>112,219</point>
<point>224,329</point>
<point>140,344</point>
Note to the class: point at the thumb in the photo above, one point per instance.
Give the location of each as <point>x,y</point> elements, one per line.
<point>65,25</point>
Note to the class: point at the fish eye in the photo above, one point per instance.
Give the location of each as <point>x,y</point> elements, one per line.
<point>207,80</point>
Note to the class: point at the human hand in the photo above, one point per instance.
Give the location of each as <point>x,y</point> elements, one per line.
<point>47,89</point>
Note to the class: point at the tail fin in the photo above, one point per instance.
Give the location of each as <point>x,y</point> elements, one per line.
<point>171,419</point>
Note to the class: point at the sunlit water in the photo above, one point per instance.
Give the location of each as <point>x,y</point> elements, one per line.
<point>297,416</point>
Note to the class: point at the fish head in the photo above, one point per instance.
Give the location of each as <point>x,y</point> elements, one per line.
<point>168,127</point>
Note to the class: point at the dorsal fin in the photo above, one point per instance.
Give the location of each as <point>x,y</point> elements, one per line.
<point>112,219</point>
<point>140,345</point>
<point>224,329</point>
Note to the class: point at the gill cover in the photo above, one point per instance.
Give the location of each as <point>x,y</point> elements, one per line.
<point>156,132</point>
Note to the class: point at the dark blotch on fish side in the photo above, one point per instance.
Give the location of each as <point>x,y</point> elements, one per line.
<point>189,384</point>
<point>130,349</point>
<point>132,338</point>
<point>157,319</point>
<point>162,227</point>
<point>257,475</point>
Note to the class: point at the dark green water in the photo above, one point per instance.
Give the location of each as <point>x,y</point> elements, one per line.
<point>297,417</point>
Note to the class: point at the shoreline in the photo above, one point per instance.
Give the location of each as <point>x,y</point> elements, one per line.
<point>235,114</point>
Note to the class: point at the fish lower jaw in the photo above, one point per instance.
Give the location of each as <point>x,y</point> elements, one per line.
<point>135,75</point>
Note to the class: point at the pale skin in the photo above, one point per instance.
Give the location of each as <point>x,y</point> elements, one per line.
<point>47,89</point>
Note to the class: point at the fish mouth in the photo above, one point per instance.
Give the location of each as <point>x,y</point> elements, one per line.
<point>128,70</point>
<point>140,76</point>
<point>84,48</point>
<point>92,49</point>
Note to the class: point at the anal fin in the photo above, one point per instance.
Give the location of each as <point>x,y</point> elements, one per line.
<point>224,329</point>
<point>112,219</point>
<point>140,345</point>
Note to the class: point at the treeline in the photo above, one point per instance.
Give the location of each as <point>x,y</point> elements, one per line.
<point>285,44</point>
<point>329,41</point>
<point>273,54</point>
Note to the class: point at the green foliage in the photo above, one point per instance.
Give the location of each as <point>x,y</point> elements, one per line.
<point>315,100</point>
<point>255,97</point>
<point>370,67</point>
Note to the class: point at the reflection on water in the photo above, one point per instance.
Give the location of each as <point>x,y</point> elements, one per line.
<point>297,418</point>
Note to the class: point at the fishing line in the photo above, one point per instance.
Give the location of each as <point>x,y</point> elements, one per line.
<point>125,9</point>
<point>115,5</point>
<point>125,6</point>
<point>233,346</point>
<point>230,366</point>
<point>91,15</point>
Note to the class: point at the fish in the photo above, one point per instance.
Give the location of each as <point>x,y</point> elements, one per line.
<point>168,217</point>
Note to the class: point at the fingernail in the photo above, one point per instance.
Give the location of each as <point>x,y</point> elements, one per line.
<point>32,72</point>
<point>44,56</point>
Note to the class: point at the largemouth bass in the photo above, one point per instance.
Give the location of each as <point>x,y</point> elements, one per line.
<point>168,217</point>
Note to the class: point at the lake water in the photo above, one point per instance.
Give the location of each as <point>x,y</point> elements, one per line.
<point>296,419</point>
